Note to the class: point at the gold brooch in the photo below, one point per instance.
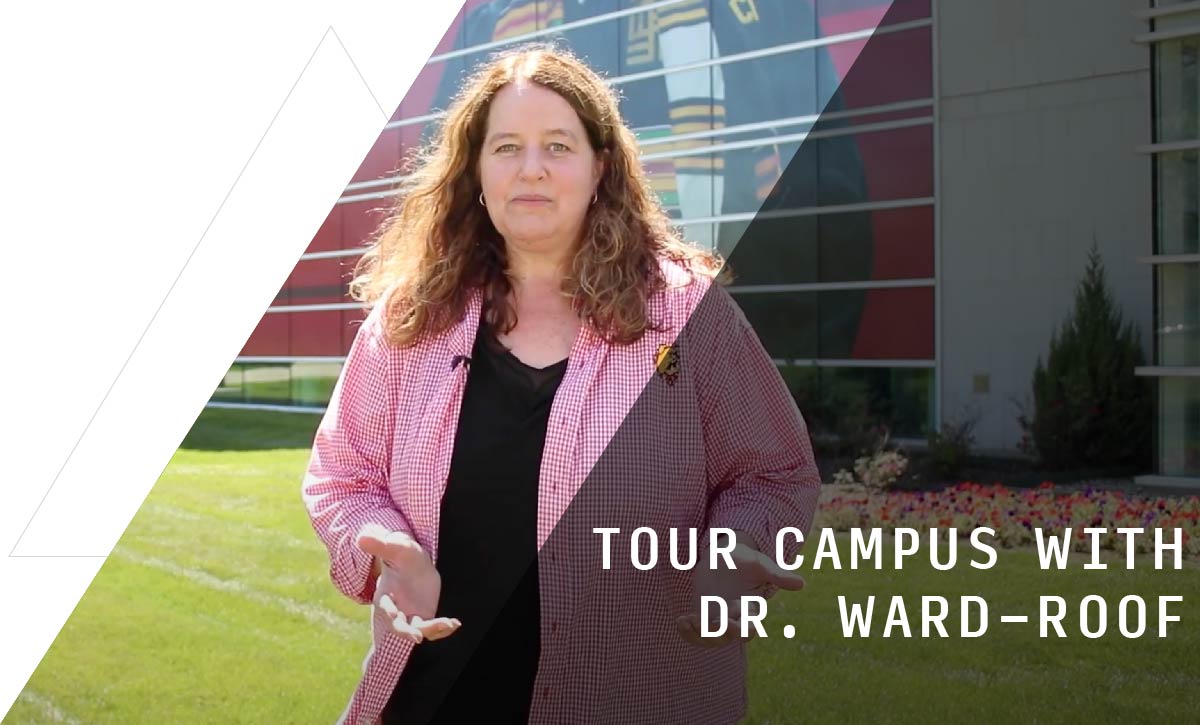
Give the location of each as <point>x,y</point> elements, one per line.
<point>666,362</point>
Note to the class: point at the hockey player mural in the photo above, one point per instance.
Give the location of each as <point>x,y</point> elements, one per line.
<point>795,136</point>
<point>744,141</point>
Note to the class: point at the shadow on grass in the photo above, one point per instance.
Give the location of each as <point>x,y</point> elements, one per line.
<point>220,429</point>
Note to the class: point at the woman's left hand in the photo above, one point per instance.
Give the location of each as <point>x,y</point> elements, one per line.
<point>753,571</point>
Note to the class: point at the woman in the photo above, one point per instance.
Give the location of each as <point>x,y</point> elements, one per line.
<point>544,357</point>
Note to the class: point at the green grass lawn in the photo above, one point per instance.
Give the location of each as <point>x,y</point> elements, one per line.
<point>1010,673</point>
<point>215,607</point>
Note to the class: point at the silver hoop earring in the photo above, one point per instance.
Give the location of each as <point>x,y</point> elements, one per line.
<point>481,201</point>
<point>595,196</point>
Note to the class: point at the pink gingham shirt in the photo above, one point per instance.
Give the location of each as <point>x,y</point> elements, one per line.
<point>719,443</point>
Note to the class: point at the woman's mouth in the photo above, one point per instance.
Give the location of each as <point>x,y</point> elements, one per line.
<point>533,199</point>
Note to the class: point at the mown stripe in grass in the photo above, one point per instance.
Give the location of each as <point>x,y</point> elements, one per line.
<point>46,710</point>
<point>209,521</point>
<point>148,646</point>
<point>277,562</point>
<point>309,612</point>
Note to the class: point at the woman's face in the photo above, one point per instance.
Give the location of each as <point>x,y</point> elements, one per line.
<point>537,169</point>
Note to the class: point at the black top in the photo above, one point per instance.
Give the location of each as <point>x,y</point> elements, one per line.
<point>487,550</point>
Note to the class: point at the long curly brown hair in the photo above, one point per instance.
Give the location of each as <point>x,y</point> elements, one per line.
<point>437,242</point>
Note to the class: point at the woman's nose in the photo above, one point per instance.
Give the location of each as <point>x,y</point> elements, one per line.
<point>532,165</point>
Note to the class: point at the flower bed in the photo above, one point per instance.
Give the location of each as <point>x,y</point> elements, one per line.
<point>1014,514</point>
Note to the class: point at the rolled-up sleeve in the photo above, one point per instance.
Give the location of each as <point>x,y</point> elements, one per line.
<point>761,472</point>
<point>346,484</point>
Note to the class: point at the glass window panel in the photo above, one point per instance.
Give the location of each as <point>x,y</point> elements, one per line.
<point>1178,89</point>
<point>1179,426</point>
<point>765,89</point>
<point>684,184</point>
<point>597,44</point>
<point>381,159</point>
<point>1178,194</point>
<point>1178,314</point>
<point>643,101</point>
<point>895,324</point>
<point>786,323</point>
<point>316,333</point>
<point>772,88</point>
<point>836,401</point>
<point>439,83</point>
<point>307,384</point>
<point>691,101</point>
<point>842,16</point>
<point>769,176</point>
<point>329,236</point>
<point>841,169</point>
<point>488,22</point>
<point>231,387</point>
<point>270,336</point>
<point>698,29</point>
<point>804,383</point>
<point>690,185</point>
<point>773,251</point>
<point>896,164</point>
<point>853,168</point>
<point>846,247</point>
<point>898,11</point>
<point>267,383</point>
<point>878,244</point>
<point>888,68</point>
<point>520,18</point>
<point>283,296</point>
<point>728,237</point>
<point>1185,19</point>
<point>360,221</point>
<point>843,247</point>
<point>912,400</point>
<point>636,40</point>
<point>312,383</point>
<point>435,81</point>
<point>319,281</point>
<point>700,235</point>
<point>435,86</point>
<point>903,242</point>
<point>876,324</point>
<point>841,313</point>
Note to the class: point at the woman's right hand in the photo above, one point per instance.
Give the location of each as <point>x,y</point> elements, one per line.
<point>407,587</point>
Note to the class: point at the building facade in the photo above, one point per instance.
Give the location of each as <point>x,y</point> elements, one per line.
<point>935,173</point>
<point>1171,31</point>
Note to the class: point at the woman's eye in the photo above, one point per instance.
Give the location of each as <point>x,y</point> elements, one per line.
<point>560,146</point>
<point>506,146</point>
